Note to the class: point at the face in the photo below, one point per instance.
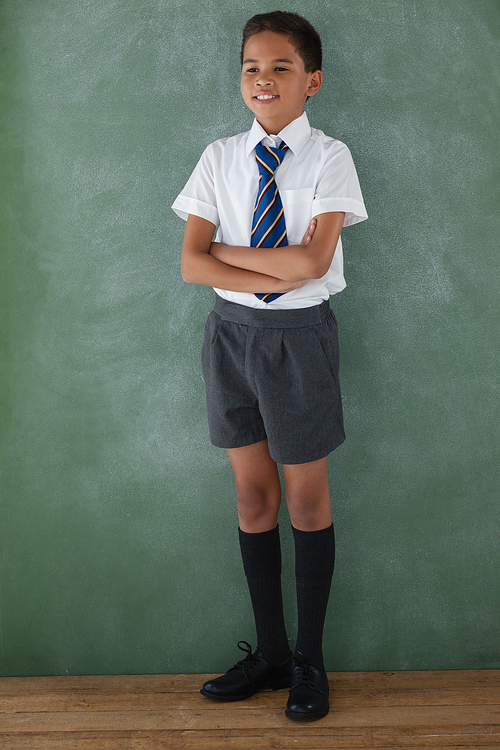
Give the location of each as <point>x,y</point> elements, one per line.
<point>274,84</point>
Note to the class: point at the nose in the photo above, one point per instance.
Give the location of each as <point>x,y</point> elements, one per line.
<point>264,79</point>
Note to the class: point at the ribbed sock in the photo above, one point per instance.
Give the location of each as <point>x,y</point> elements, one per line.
<point>261,555</point>
<point>314,563</point>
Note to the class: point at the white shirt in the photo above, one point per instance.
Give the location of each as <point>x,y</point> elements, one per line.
<point>316,176</point>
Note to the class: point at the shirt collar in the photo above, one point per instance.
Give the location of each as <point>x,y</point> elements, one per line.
<point>295,134</point>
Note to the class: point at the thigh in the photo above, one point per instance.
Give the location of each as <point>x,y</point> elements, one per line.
<point>308,494</point>
<point>258,488</point>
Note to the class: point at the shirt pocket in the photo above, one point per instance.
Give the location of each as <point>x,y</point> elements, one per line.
<point>297,205</point>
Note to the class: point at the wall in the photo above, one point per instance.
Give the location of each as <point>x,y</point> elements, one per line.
<point>118,527</point>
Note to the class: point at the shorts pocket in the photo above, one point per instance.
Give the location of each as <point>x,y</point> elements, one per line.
<point>328,342</point>
<point>212,327</point>
<point>215,331</point>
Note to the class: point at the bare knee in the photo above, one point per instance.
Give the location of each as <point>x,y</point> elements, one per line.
<point>309,513</point>
<point>258,507</point>
<point>258,488</point>
<point>308,495</point>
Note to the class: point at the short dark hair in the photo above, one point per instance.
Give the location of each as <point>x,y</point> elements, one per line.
<point>303,36</point>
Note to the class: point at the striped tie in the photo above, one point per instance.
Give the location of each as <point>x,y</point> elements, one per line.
<point>268,224</point>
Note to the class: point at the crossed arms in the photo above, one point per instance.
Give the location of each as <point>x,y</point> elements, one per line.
<point>252,269</point>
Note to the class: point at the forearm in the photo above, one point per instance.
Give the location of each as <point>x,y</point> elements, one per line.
<point>198,267</point>
<point>201,268</point>
<point>309,260</point>
<point>290,263</point>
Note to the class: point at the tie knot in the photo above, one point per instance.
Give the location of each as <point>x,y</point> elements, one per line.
<point>269,158</point>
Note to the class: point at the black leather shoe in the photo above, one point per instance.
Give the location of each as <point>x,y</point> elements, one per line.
<point>308,692</point>
<point>249,675</point>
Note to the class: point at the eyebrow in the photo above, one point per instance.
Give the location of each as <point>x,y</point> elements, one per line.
<point>278,60</point>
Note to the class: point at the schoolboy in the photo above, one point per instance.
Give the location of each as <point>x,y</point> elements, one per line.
<point>270,353</point>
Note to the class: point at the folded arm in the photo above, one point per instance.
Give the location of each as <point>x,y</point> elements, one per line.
<point>200,266</point>
<point>310,260</point>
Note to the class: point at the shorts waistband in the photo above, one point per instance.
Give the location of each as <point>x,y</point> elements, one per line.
<point>258,318</point>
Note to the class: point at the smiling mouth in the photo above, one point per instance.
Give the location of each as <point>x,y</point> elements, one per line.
<point>265,97</point>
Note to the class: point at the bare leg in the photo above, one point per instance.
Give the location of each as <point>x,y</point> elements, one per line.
<point>258,489</point>
<point>308,495</point>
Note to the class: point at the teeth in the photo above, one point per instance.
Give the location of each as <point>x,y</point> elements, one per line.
<point>266,96</point>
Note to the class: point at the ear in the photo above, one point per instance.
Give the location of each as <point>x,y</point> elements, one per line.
<point>315,82</point>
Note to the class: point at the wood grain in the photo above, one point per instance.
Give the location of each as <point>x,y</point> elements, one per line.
<point>452,710</point>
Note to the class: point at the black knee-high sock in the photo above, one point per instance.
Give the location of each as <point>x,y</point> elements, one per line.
<point>261,555</point>
<point>314,562</point>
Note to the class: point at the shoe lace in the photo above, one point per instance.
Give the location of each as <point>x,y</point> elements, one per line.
<point>306,675</point>
<point>250,658</point>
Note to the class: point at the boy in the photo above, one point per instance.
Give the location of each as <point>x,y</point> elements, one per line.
<point>270,353</point>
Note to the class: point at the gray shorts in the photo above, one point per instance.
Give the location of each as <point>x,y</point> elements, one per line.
<point>273,374</point>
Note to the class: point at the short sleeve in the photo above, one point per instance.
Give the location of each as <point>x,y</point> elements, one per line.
<point>198,195</point>
<point>338,187</point>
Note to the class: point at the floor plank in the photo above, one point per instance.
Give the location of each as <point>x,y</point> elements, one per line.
<point>85,701</point>
<point>268,717</point>
<point>188,683</point>
<point>453,709</point>
<point>298,740</point>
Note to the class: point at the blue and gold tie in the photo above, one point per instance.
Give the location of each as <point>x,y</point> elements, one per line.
<point>268,223</point>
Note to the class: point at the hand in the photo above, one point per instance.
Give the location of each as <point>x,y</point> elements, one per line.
<point>289,286</point>
<point>309,232</point>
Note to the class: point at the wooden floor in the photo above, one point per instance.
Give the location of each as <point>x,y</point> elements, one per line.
<point>452,710</point>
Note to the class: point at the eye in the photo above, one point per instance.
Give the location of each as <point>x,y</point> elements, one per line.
<point>251,70</point>
<point>281,69</point>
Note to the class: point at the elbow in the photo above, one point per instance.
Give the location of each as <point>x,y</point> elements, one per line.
<point>318,272</point>
<point>187,274</point>
<point>317,267</point>
<point>191,267</point>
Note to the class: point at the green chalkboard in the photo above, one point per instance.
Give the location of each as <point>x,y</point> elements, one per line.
<point>118,524</point>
